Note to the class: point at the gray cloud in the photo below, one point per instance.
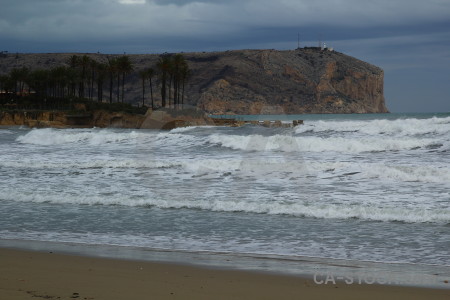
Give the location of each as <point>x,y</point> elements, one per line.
<point>186,2</point>
<point>184,25</point>
<point>397,35</point>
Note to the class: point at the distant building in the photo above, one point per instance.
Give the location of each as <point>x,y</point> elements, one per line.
<point>325,48</point>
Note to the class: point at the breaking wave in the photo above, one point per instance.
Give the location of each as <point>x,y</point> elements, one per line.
<point>398,127</point>
<point>287,143</point>
<point>48,136</point>
<point>97,137</point>
<point>367,212</point>
<point>91,164</point>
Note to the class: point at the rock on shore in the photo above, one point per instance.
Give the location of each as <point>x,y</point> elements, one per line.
<point>160,119</point>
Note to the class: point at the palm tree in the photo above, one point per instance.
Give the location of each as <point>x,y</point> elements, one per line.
<point>39,81</point>
<point>6,84</point>
<point>83,62</point>
<point>143,74</point>
<point>150,74</point>
<point>73,61</point>
<point>185,74</point>
<point>14,75</point>
<point>102,70</point>
<point>3,80</point>
<point>91,76</point>
<point>163,66</point>
<point>178,66</point>
<point>60,80</point>
<point>74,76</point>
<point>112,70</point>
<point>124,67</point>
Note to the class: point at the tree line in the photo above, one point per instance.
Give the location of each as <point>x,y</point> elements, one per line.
<point>85,78</point>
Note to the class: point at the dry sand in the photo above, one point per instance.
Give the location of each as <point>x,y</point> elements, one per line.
<point>39,275</point>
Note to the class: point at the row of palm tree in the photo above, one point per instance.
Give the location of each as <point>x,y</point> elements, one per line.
<point>91,71</point>
<point>75,80</point>
<point>173,71</point>
<point>147,74</point>
<point>82,76</point>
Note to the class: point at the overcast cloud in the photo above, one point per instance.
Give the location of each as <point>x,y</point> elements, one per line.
<point>410,39</point>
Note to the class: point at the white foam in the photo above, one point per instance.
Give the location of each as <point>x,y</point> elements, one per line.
<point>188,128</point>
<point>398,127</point>
<point>408,173</point>
<point>318,144</point>
<point>97,137</point>
<point>91,164</point>
<point>426,173</point>
<point>171,140</point>
<point>319,210</point>
<point>5,131</point>
<point>48,136</point>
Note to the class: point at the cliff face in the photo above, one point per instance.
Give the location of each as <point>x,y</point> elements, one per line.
<point>299,81</point>
<point>305,80</point>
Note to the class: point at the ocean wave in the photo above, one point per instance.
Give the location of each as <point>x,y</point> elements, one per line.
<point>49,136</point>
<point>369,212</point>
<point>431,173</point>
<point>282,170</point>
<point>174,140</point>
<point>399,127</point>
<point>408,173</point>
<point>91,164</point>
<point>97,137</point>
<point>5,131</point>
<point>189,128</point>
<point>278,167</point>
<point>287,143</point>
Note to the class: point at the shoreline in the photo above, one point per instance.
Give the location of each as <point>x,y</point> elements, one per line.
<point>52,275</point>
<point>306,268</point>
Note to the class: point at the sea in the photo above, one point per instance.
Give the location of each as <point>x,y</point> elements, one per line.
<point>358,196</point>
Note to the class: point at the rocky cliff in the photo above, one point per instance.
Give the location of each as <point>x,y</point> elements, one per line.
<point>307,80</point>
<point>300,81</point>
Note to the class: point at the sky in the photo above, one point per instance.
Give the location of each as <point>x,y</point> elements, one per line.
<point>408,39</point>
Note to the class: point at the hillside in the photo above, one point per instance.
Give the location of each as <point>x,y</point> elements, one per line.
<point>307,80</point>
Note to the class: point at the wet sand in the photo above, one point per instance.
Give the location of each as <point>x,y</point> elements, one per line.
<point>44,275</point>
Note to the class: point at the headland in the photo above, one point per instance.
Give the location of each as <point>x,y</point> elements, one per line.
<point>305,80</point>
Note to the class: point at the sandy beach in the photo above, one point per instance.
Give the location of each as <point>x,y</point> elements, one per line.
<point>45,275</point>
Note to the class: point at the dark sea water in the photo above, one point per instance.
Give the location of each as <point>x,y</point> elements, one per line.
<point>347,188</point>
